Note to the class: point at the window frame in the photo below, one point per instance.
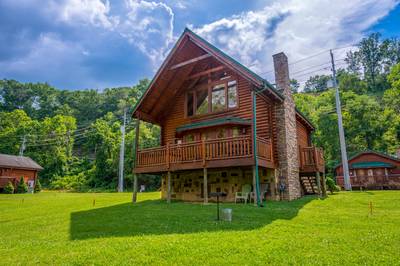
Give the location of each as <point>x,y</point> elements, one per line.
<point>210,85</point>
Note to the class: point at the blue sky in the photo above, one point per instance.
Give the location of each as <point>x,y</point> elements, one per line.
<point>75,44</point>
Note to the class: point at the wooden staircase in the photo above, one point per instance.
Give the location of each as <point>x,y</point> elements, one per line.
<point>309,184</point>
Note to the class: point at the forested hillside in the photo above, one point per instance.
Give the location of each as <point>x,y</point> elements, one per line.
<point>75,135</point>
<point>370,96</point>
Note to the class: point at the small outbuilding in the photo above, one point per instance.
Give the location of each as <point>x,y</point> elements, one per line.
<point>372,170</point>
<point>12,168</point>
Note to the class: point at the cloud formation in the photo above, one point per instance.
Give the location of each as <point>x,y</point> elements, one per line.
<point>299,28</point>
<point>102,43</point>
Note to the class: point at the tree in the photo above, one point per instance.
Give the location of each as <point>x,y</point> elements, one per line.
<point>351,82</point>
<point>317,83</point>
<point>38,186</point>
<point>9,188</point>
<point>294,86</point>
<point>22,187</point>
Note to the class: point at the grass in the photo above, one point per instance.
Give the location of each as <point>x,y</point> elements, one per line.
<point>65,228</point>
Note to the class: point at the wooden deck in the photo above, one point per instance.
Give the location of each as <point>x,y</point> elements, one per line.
<point>215,153</point>
<point>227,152</point>
<point>311,160</point>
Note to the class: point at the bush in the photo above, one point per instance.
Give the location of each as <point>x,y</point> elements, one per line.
<point>22,187</point>
<point>70,182</point>
<point>330,184</point>
<point>9,189</point>
<point>38,186</point>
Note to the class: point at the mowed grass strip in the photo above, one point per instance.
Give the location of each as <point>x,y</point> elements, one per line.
<point>105,228</point>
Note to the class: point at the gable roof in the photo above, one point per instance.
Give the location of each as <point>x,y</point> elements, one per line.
<point>12,161</point>
<point>381,154</point>
<point>262,84</point>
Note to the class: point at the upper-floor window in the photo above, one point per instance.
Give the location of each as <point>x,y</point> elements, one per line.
<point>216,97</point>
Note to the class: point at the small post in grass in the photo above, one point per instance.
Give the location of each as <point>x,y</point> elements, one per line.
<point>218,194</point>
<point>370,208</point>
<point>94,202</point>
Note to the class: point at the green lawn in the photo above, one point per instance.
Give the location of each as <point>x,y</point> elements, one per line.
<point>65,228</point>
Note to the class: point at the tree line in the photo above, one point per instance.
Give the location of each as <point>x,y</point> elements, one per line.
<point>370,95</point>
<point>75,135</point>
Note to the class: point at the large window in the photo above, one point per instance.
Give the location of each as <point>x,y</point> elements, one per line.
<point>218,96</point>
<point>201,101</point>
<point>189,104</point>
<point>232,94</point>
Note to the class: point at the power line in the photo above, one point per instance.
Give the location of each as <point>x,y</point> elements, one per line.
<point>309,57</point>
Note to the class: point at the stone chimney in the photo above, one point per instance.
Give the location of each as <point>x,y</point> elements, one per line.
<point>288,155</point>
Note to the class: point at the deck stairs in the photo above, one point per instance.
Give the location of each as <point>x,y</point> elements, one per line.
<point>309,184</point>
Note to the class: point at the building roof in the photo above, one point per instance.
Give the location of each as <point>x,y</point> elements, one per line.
<point>12,161</point>
<point>371,165</point>
<point>373,152</point>
<point>214,122</point>
<point>263,84</point>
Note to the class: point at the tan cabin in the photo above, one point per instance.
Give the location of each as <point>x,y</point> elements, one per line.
<point>12,168</point>
<point>224,128</point>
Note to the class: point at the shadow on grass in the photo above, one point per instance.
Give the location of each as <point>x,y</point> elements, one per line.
<point>156,217</point>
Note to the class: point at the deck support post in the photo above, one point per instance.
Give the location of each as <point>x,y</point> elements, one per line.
<point>318,177</point>
<point>205,186</point>
<point>169,187</point>
<point>323,185</point>
<point>135,146</point>
<point>254,186</point>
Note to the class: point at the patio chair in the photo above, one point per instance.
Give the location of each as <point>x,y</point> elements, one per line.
<point>244,194</point>
<point>263,193</point>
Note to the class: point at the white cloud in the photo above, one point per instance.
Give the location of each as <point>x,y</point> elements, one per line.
<point>93,12</point>
<point>299,28</point>
<point>149,26</point>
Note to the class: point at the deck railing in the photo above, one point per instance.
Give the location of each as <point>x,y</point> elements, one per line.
<point>374,181</point>
<point>264,149</point>
<point>311,159</point>
<point>203,151</point>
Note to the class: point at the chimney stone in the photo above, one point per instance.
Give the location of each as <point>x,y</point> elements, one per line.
<point>288,153</point>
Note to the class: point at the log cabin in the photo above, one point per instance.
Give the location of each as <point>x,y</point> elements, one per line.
<point>371,170</point>
<point>223,128</point>
<point>12,168</point>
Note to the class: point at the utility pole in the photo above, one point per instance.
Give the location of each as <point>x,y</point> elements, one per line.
<point>121,156</point>
<point>22,148</point>
<point>346,176</point>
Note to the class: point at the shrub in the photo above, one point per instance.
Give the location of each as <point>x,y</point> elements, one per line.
<point>330,184</point>
<point>22,187</point>
<point>38,186</point>
<point>70,182</point>
<point>9,189</point>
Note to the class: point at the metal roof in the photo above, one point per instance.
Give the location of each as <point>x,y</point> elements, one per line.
<point>214,122</point>
<point>373,152</point>
<point>371,165</point>
<point>12,161</point>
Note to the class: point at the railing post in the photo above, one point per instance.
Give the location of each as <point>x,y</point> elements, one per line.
<point>167,156</point>
<point>315,158</point>
<point>300,157</point>
<point>203,148</point>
